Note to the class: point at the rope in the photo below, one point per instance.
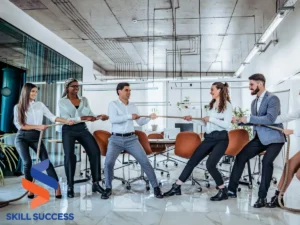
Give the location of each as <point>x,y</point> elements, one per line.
<point>6,203</point>
<point>286,163</point>
<point>287,157</point>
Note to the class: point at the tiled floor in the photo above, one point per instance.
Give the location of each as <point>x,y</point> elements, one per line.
<point>138,206</point>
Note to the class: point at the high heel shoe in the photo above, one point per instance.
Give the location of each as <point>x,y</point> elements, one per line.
<point>30,196</point>
<point>70,191</point>
<point>58,196</point>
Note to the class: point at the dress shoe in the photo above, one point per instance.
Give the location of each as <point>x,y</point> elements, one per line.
<point>30,196</point>
<point>97,188</point>
<point>175,190</point>
<point>18,173</point>
<point>157,193</point>
<point>106,193</point>
<point>261,202</point>
<point>70,191</point>
<point>275,201</point>
<point>231,194</point>
<point>221,195</point>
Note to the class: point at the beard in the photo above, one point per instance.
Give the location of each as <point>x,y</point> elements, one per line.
<point>255,91</point>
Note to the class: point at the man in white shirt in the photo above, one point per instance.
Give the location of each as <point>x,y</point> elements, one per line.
<point>122,113</point>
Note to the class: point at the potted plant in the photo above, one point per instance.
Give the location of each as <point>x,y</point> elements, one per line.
<point>154,125</point>
<point>7,156</point>
<point>239,112</point>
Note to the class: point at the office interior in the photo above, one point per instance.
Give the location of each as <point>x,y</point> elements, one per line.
<point>170,52</point>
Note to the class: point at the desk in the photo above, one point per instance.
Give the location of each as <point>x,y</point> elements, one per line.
<point>161,141</point>
<point>87,177</point>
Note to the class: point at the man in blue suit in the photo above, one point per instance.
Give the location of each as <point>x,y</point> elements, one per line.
<point>264,111</point>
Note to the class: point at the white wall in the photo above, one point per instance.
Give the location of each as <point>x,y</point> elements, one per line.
<point>99,101</point>
<point>15,16</point>
<point>178,95</point>
<point>278,62</point>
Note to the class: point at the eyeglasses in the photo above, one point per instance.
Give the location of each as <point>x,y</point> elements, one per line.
<point>74,86</point>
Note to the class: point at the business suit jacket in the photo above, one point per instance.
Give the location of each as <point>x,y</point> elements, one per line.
<point>266,115</point>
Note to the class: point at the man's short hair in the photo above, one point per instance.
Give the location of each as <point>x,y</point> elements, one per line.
<point>258,77</point>
<point>121,86</point>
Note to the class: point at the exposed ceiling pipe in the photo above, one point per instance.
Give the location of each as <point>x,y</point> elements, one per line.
<point>71,12</point>
<point>123,30</point>
<point>153,33</point>
<point>170,37</point>
<point>225,31</point>
<point>113,50</point>
<point>197,18</point>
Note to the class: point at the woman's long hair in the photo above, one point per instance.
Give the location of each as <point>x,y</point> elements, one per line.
<point>66,86</point>
<point>24,102</point>
<point>224,96</point>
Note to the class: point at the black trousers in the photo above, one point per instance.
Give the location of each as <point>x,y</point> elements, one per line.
<point>214,145</point>
<point>253,148</point>
<point>26,139</point>
<point>80,133</point>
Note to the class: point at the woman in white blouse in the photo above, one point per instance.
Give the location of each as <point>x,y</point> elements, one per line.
<point>28,118</point>
<point>74,107</point>
<point>217,124</point>
<point>294,162</point>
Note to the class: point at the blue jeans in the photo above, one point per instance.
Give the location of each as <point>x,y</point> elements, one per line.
<point>130,144</point>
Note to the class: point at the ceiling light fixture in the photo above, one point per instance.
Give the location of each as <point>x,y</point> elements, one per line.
<point>202,88</point>
<point>277,20</point>
<point>266,35</point>
<point>41,82</point>
<point>113,89</point>
<point>240,70</point>
<point>209,81</point>
<point>252,54</point>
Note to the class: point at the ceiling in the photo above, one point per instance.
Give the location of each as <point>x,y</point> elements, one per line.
<point>167,36</point>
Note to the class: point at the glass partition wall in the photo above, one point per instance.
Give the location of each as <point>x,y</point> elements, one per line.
<point>24,59</point>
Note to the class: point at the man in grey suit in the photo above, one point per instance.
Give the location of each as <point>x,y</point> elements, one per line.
<point>264,111</point>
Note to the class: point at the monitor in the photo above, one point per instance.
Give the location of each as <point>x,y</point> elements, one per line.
<point>185,126</point>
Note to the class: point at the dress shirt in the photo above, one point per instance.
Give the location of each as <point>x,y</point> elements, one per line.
<point>259,100</point>
<point>69,111</point>
<point>258,103</point>
<point>217,121</point>
<point>34,114</point>
<point>120,115</point>
<point>289,117</point>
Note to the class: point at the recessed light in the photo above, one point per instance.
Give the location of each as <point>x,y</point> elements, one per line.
<point>134,21</point>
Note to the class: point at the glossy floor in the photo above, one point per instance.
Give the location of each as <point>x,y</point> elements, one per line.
<point>138,206</point>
